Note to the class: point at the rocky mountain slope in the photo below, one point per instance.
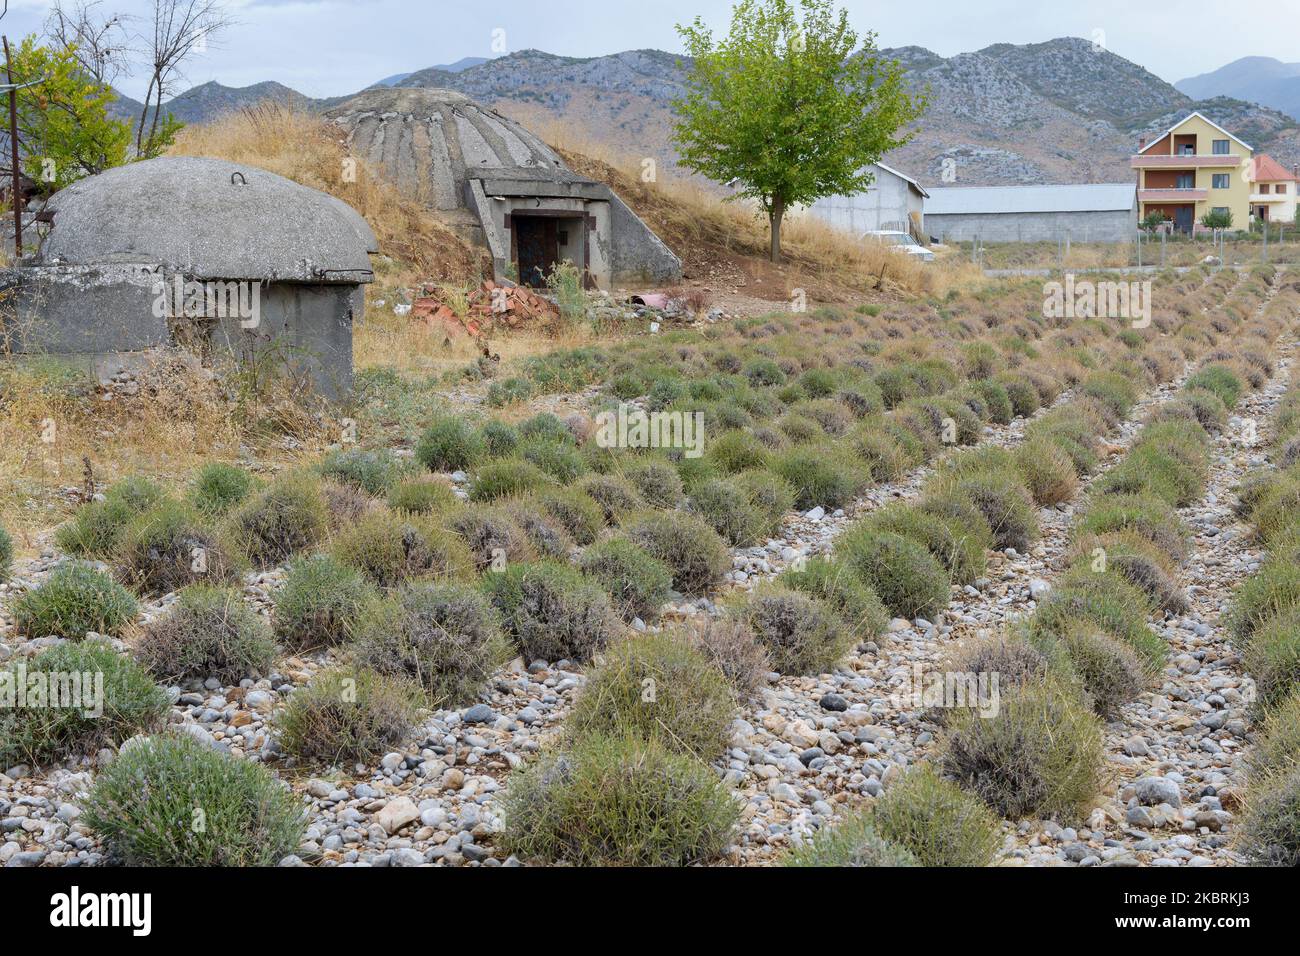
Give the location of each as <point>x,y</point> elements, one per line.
<point>1060,111</point>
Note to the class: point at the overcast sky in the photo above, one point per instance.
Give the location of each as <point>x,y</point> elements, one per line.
<point>334,47</point>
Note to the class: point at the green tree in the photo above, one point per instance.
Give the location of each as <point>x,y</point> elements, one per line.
<point>788,107</point>
<point>1217,219</point>
<point>64,130</point>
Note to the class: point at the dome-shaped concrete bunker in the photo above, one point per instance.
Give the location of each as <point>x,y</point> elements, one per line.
<point>501,187</point>
<point>221,257</point>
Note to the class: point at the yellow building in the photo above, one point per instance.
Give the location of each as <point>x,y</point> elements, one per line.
<point>1273,190</point>
<point>1195,168</point>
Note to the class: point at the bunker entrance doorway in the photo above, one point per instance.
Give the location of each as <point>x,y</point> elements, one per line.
<point>543,241</point>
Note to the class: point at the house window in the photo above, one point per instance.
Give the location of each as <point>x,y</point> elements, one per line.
<point>1220,147</point>
<point>1281,189</point>
<point>1185,181</point>
<point>1222,181</point>
<point>1263,189</point>
<point>1221,210</point>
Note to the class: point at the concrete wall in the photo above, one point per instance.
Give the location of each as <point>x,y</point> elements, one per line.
<point>886,203</point>
<point>1111,226</point>
<point>639,256</point>
<point>103,318</point>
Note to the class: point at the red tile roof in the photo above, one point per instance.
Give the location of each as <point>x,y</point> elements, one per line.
<point>1269,170</point>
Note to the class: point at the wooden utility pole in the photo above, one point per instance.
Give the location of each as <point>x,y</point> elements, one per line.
<point>13,149</point>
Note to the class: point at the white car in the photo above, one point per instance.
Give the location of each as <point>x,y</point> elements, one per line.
<point>901,242</point>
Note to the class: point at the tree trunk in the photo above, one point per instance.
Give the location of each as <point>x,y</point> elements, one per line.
<point>774,218</point>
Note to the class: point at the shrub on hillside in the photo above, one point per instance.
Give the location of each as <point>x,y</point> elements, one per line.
<point>735,451</point>
<point>696,555</point>
<point>322,603</point>
<point>730,646</point>
<point>1147,516</point>
<point>612,801</point>
<point>1041,754</point>
<point>845,592</point>
<point>505,477</point>
<point>638,584</point>
<point>6,554</point>
<point>444,638</point>
<point>76,599</point>
<point>657,687</point>
<point>345,504</point>
<point>1274,588</point>
<point>131,703</point>
<point>581,517</point>
<point>1273,657</point>
<point>142,806</point>
<point>500,438</point>
<point>771,496</point>
<point>1269,829</point>
<point>347,714</point>
<point>1002,500</point>
<point>1022,395</point>
<point>167,547</point>
<point>96,528</point>
<point>727,509</point>
<point>936,821</point>
<point>391,551</point>
<point>218,487</point>
<point>1277,744</point>
<point>551,611</point>
<point>996,398</point>
<point>450,444</point>
<point>547,536</point>
<point>802,634</point>
<point>656,481</point>
<point>421,496</point>
<point>961,547</point>
<point>285,517</point>
<point>820,476</point>
<point>208,632</point>
<point>558,459</point>
<point>374,472</point>
<point>614,495</point>
<point>1220,381</point>
<point>909,580</point>
<point>1047,471</point>
<point>1110,672</point>
<point>1108,602</point>
<point>851,842</point>
<point>491,535</point>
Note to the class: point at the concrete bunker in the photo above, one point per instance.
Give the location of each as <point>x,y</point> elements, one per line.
<point>500,187</point>
<point>227,260</point>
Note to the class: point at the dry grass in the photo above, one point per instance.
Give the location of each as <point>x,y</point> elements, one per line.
<point>305,148</point>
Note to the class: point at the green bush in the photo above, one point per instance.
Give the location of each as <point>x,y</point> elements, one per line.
<point>1107,601</point>
<point>1022,395</point>
<point>657,687</point>
<point>581,517</point>
<point>1110,672</point>
<point>322,603</point>
<point>374,472</point>
<point>820,476</point>
<point>551,611</point>
<point>499,437</point>
<point>771,497</point>
<point>1003,501</point>
<point>286,517</point>
<point>1147,516</point>
<point>614,495</point>
<point>997,399</point>
<point>391,551</point>
<point>96,528</point>
<point>218,487</point>
<point>936,821</point>
<point>508,476</point>
<point>450,444</point>
<point>1219,381</point>
<point>445,638</point>
<point>1139,562</point>
<point>1047,470</point>
<point>656,481</point>
<point>6,554</point>
<point>696,555</point>
<point>1278,506</point>
<point>208,632</point>
<point>559,459</point>
<point>421,496</point>
<point>731,647</point>
<point>548,536</point>
<point>880,451</point>
<point>1277,744</point>
<point>1269,829</point>
<point>1274,588</point>
<point>144,806</point>
<point>727,509</point>
<point>847,594</point>
<point>347,714</point>
<point>1115,392</point>
<point>961,547</point>
<point>132,703</point>
<point>909,580</point>
<point>491,535</point>
<point>763,372</point>
<point>74,600</point>
<point>638,584</point>
<point>851,842</point>
<point>1273,657</point>
<point>802,634</point>
<point>612,801</point>
<point>1040,755</point>
<point>167,547</point>
<point>736,451</point>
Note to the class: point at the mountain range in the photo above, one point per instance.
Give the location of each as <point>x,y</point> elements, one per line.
<point>1059,111</point>
<point>1261,79</point>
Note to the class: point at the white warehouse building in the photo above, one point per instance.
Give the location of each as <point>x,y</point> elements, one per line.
<point>1098,212</point>
<point>892,201</point>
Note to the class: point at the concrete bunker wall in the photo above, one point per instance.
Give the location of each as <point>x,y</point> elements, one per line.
<point>1106,226</point>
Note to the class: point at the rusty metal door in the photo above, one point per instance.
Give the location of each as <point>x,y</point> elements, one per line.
<point>537,245</point>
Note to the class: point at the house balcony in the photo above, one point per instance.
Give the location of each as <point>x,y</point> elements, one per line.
<point>1184,162</point>
<point>1173,195</point>
<point>1269,197</point>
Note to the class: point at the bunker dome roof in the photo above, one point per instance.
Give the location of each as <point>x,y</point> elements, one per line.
<point>432,142</point>
<point>208,219</point>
